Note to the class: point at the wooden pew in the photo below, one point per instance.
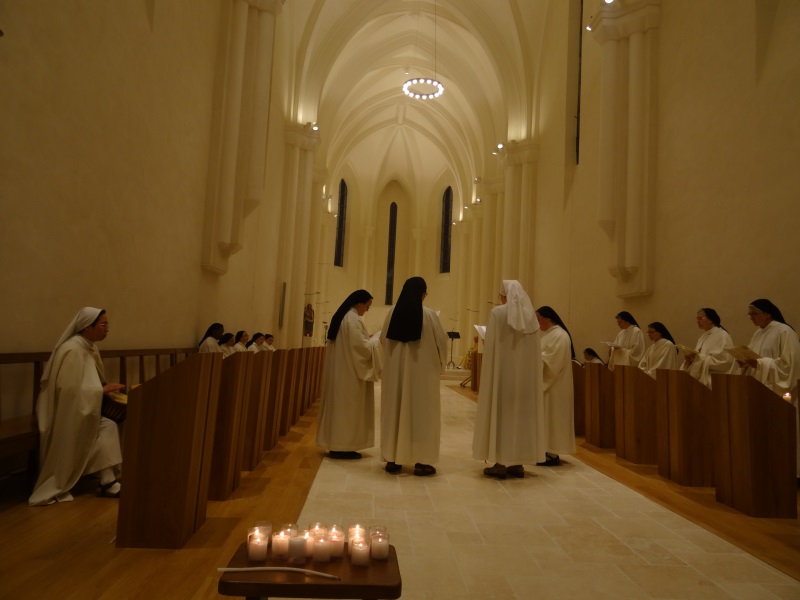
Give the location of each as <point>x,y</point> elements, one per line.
<point>287,391</point>
<point>686,429</point>
<point>600,420</point>
<point>255,415</point>
<point>635,415</point>
<point>475,379</point>
<point>756,459</point>
<point>229,432</point>
<point>579,387</point>
<point>277,379</point>
<point>169,435</point>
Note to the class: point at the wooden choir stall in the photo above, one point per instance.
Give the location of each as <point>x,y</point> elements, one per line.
<point>600,409</point>
<point>579,398</point>
<point>756,458</point>
<point>635,414</point>
<point>169,435</point>
<point>686,429</point>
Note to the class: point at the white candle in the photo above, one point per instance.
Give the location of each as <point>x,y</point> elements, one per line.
<point>257,548</point>
<point>321,552</point>
<point>280,544</point>
<point>356,531</point>
<point>317,529</point>
<point>262,528</point>
<point>290,529</point>
<point>336,541</point>
<point>787,396</point>
<point>309,538</point>
<point>359,553</point>
<point>379,546</point>
<point>297,550</point>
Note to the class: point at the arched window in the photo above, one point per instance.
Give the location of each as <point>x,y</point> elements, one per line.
<point>390,253</point>
<point>338,255</point>
<point>447,223</point>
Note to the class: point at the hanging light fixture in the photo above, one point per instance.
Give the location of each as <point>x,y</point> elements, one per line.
<point>425,88</point>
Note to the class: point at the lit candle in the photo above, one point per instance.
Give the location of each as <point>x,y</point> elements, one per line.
<point>309,538</point>
<point>336,541</point>
<point>356,531</point>
<point>290,529</point>
<point>297,550</point>
<point>280,544</point>
<point>317,529</point>
<point>787,396</point>
<point>257,548</point>
<point>321,552</point>
<point>262,528</point>
<point>359,553</point>
<point>379,545</point>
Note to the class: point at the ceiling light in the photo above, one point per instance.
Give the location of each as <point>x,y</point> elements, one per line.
<point>425,88</point>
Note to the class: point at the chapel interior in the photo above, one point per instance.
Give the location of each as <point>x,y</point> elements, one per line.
<point>183,162</point>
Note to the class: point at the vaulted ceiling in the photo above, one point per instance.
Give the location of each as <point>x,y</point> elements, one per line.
<point>353,56</point>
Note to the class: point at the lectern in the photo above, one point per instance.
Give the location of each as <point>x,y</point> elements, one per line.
<point>600,425</point>
<point>453,335</point>
<point>169,435</point>
<point>756,464</point>
<point>635,394</point>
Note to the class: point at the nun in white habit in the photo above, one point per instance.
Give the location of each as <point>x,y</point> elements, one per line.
<point>415,353</point>
<point>628,346</point>
<point>559,402</point>
<point>74,439</point>
<point>710,356</point>
<point>509,424</point>
<point>353,361</point>
<point>662,354</point>
<point>210,340</point>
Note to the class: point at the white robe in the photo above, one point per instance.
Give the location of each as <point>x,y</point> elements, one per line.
<point>711,356</point>
<point>509,424</point>
<point>661,355</point>
<point>779,366</point>
<point>74,439</point>
<point>631,347</point>
<point>209,345</point>
<point>268,347</point>
<point>239,347</point>
<point>352,363</point>
<point>559,403</point>
<point>410,398</point>
<point>227,351</point>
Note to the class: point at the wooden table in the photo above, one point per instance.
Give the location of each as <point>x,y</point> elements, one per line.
<point>380,580</point>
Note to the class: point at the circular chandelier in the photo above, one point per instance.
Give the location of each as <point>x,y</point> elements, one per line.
<point>423,89</point>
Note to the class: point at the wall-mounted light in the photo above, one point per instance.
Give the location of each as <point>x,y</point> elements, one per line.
<point>477,200</point>
<point>500,146</point>
<point>314,127</point>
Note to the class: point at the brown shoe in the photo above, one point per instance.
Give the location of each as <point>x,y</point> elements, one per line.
<point>498,471</point>
<point>516,471</point>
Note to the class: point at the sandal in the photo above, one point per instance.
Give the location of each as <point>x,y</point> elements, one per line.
<point>103,490</point>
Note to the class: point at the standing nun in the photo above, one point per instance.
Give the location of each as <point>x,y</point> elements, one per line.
<point>353,362</point>
<point>415,350</point>
<point>559,401</point>
<point>509,425</point>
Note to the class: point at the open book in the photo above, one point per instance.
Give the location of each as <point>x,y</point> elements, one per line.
<point>481,329</point>
<point>742,353</point>
<point>612,344</point>
<point>686,350</point>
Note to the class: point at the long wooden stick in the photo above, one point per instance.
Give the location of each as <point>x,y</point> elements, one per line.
<point>292,569</point>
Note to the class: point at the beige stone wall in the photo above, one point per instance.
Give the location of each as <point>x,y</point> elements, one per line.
<point>726,205</point>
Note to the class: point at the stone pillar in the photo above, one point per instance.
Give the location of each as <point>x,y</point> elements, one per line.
<point>627,31</point>
<point>268,10</point>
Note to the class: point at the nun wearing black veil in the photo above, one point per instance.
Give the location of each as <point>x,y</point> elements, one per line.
<point>415,352</point>
<point>353,361</point>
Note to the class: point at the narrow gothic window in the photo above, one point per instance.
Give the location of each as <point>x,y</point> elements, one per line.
<point>447,223</point>
<point>338,256</point>
<point>390,253</point>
